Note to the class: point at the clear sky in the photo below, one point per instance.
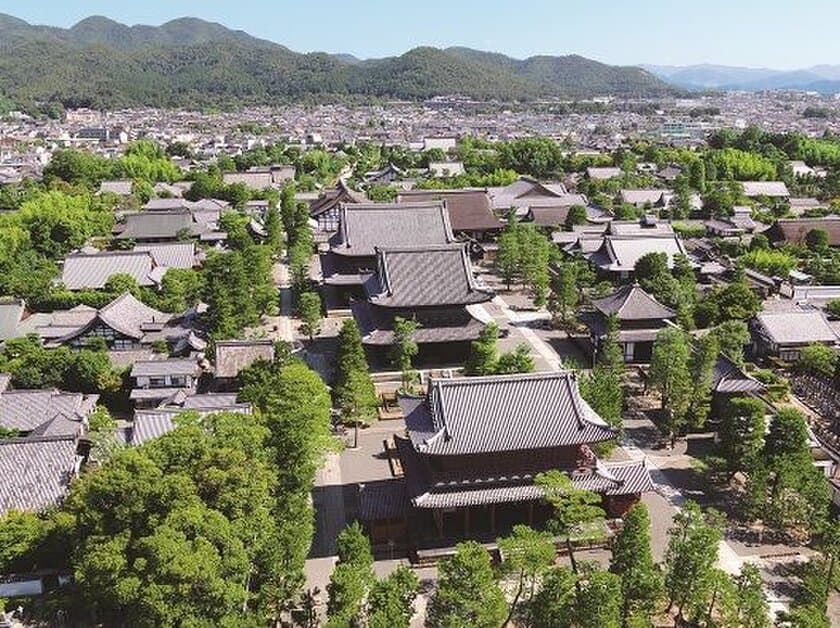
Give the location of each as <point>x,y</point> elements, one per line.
<point>782,34</point>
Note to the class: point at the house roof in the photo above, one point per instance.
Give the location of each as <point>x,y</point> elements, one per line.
<point>640,228</point>
<point>796,229</point>
<point>458,490</point>
<point>795,328</point>
<point>149,424</point>
<point>11,313</point>
<point>121,188</point>
<point>332,197</point>
<point>363,227</point>
<point>765,188</point>
<point>171,255</point>
<point>35,472</point>
<point>234,355</point>
<point>469,210</point>
<point>376,324</point>
<point>82,271</point>
<point>425,276</point>
<point>632,303</point>
<point>642,197</point>
<point>253,180</point>
<point>550,216</point>
<point>173,366</point>
<point>475,415</point>
<point>607,172</point>
<point>728,377</point>
<point>27,410</point>
<point>618,253</point>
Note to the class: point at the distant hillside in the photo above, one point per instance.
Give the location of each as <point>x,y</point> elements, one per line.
<point>820,78</point>
<point>189,62</point>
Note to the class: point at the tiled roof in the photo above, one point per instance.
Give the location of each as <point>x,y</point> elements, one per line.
<point>130,316</point>
<point>621,253</point>
<point>503,413</point>
<point>796,230</point>
<point>469,210</point>
<point>796,327</point>
<point>122,188</point>
<point>11,313</point>
<point>551,216</point>
<point>82,271</point>
<point>458,491</point>
<point>363,227</point>
<point>452,325</point>
<point>173,366</point>
<point>331,198</point>
<point>385,499</point>
<point>631,303</point>
<point>35,472</point>
<point>26,410</point>
<point>234,355</point>
<point>765,188</point>
<point>425,276</point>
<point>174,255</point>
<point>728,377</point>
<point>607,172</point>
<point>149,424</point>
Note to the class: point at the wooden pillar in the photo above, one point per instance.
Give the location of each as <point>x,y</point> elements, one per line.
<point>467,521</point>
<point>492,517</point>
<point>531,513</point>
<point>438,517</point>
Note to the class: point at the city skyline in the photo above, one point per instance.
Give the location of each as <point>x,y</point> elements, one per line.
<point>651,32</point>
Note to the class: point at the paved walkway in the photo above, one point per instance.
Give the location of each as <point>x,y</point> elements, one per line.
<point>538,344</point>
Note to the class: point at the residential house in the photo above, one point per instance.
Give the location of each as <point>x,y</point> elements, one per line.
<point>156,381</point>
<point>769,189</point>
<point>165,226</point>
<point>124,324</point>
<point>84,270</point>
<point>796,230</point>
<point>617,255</point>
<point>45,412</point>
<point>785,334</point>
<point>35,472</point>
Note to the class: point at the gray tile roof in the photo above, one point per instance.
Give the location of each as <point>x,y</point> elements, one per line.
<point>765,188</point>
<point>447,325</point>
<point>425,276</point>
<point>26,410</point>
<point>35,472</point>
<point>458,491</point>
<point>160,225</point>
<point>149,424</point>
<point>605,172</point>
<point>363,227</point>
<point>503,413</point>
<point>122,188</point>
<point>621,253</point>
<point>11,313</point>
<point>469,210</point>
<point>234,355</point>
<point>173,366</point>
<point>728,377</point>
<point>795,328</point>
<point>174,255</point>
<point>631,303</point>
<point>82,271</point>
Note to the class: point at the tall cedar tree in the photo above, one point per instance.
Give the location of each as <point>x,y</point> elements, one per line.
<point>404,348</point>
<point>351,579</point>
<point>670,375</point>
<point>309,311</point>
<point>527,555</point>
<point>632,560</point>
<point>391,601</point>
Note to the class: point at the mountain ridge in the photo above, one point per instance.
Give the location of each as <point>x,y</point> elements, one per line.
<point>188,61</point>
<point>824,78</point>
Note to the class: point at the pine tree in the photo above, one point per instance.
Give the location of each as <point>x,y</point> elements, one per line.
<point>391,600</point>
<point>632,560</point>
<point>527,554</point>
<point>483,352</point>
<point>353,390</point>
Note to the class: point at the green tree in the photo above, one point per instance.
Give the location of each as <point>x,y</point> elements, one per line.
<point>704,355</point>
<point>732,337</point>
<point>632,560</point>
<point>741,433</point>
<point>670,375</point>
<point>526,555</point>
<point>351,579</point>
<point>574,509</point>
<point>517,361</point>
<point>691,555</point>
<point>309,311</point>
<point>564,293</point>
<point>577,216</point>
<point>750,608</point>
<point>817,240</point>
<point>273,228</point>
<point>555,604</point>
<point>599,600</point>
<point>818,359</point>
<point>484,354</point>
<point>404,348</point>
<point>391,600</point>
<point>467,593</point>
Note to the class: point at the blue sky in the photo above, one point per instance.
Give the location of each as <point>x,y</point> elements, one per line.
<point>780,34</point>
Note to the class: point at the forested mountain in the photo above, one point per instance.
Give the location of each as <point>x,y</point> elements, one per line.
<point>819,78</point>
<point>190,62</point>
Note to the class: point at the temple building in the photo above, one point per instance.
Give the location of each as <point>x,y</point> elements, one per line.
<point>432,285</point>
<point>640,318</point>
<point>475,446</point>
<point>351,258</point>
